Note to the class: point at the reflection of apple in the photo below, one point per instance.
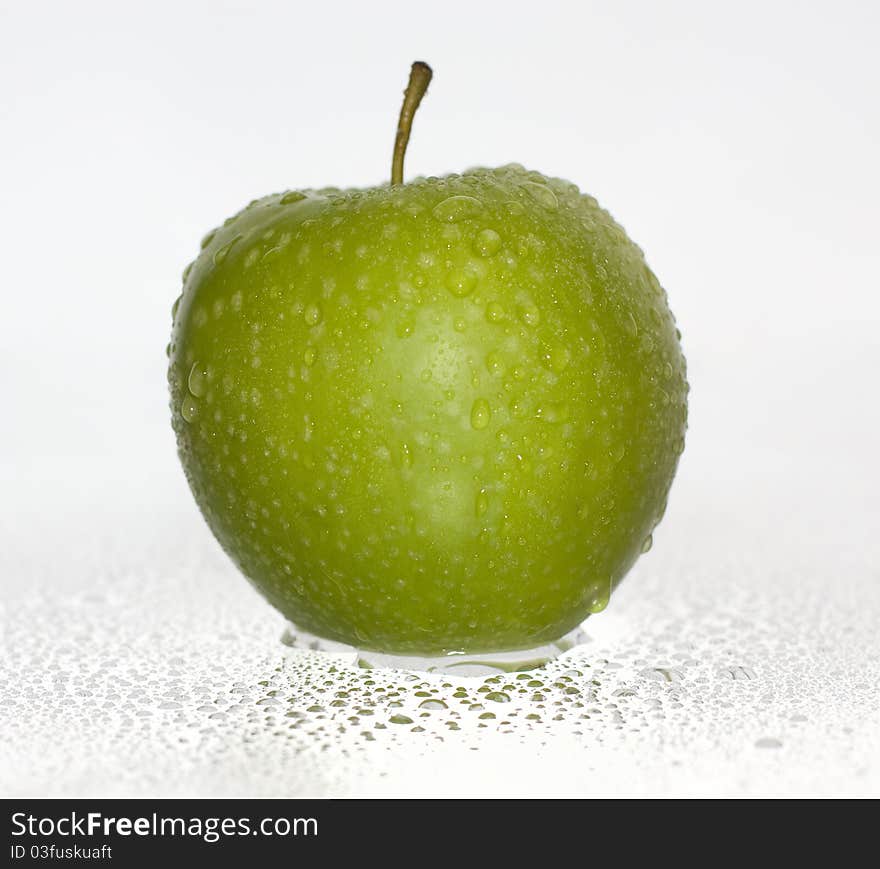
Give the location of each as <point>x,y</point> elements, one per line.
<point>434,416</point>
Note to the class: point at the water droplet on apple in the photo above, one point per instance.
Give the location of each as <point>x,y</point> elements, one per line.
<point>529,314</point>
<point>487,243</point>
<point>189,408</point>
<point>556,358</point>
<point>517,407</point>
<point>221,253</point>
<point>175,306</point>
<point>197,382</point>
<point>494,365</point>
<point>405,327</point>
<point>481,503</point>
<point>481,414</point>
<point>406,455</point>
<point>542,194</point>
<point>310,356</point>
<point>457,208</point>
<point>552,412</point>
<point>647,543</point>
<point>461,282</point>
<point>312,314</point>
<point>291,197</point>
<point>494,312</point>
<point>598,598</point>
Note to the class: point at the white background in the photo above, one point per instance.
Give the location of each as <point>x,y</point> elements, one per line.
<point>738,145</point>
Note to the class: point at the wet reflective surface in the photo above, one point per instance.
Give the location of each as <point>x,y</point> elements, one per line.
<point>135,661</point>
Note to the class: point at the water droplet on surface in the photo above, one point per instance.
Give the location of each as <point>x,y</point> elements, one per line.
<point>647,543</point>
<point>406,455</point>
<point>405,327</point>
<point>433,705</point>
<point>768,742</point>
<point>494,365</point>
<point>517,407</point>
<point>552,413</point>
<point>494,312</point>
<point>739,674</point>
<point>529,314</point>
<point>487,243</point>
<point>599,598</point>
<point>312,314</point>
<point>292,196</point>
<point>400,719</point>
<point>222,252</point>
<point>189,408</point>
<point>461,282</point>
<point>556,358</point>
<point>310,356</point>
<point>197,382</point>
<point>661,674</point>
<point>481,414</point>
<point>498,697</point>
<point>542,194</point>
<point>457,208</point>
<point>481,503</point>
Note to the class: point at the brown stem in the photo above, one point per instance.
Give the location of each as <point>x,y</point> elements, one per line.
<point>419,78</point>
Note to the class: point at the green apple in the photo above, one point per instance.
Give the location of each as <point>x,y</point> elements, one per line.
<point>429,417</point>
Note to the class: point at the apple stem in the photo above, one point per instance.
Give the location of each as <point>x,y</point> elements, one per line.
<point>419,78</point>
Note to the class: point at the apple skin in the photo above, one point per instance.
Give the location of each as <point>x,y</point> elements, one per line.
<point>430,418</point>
